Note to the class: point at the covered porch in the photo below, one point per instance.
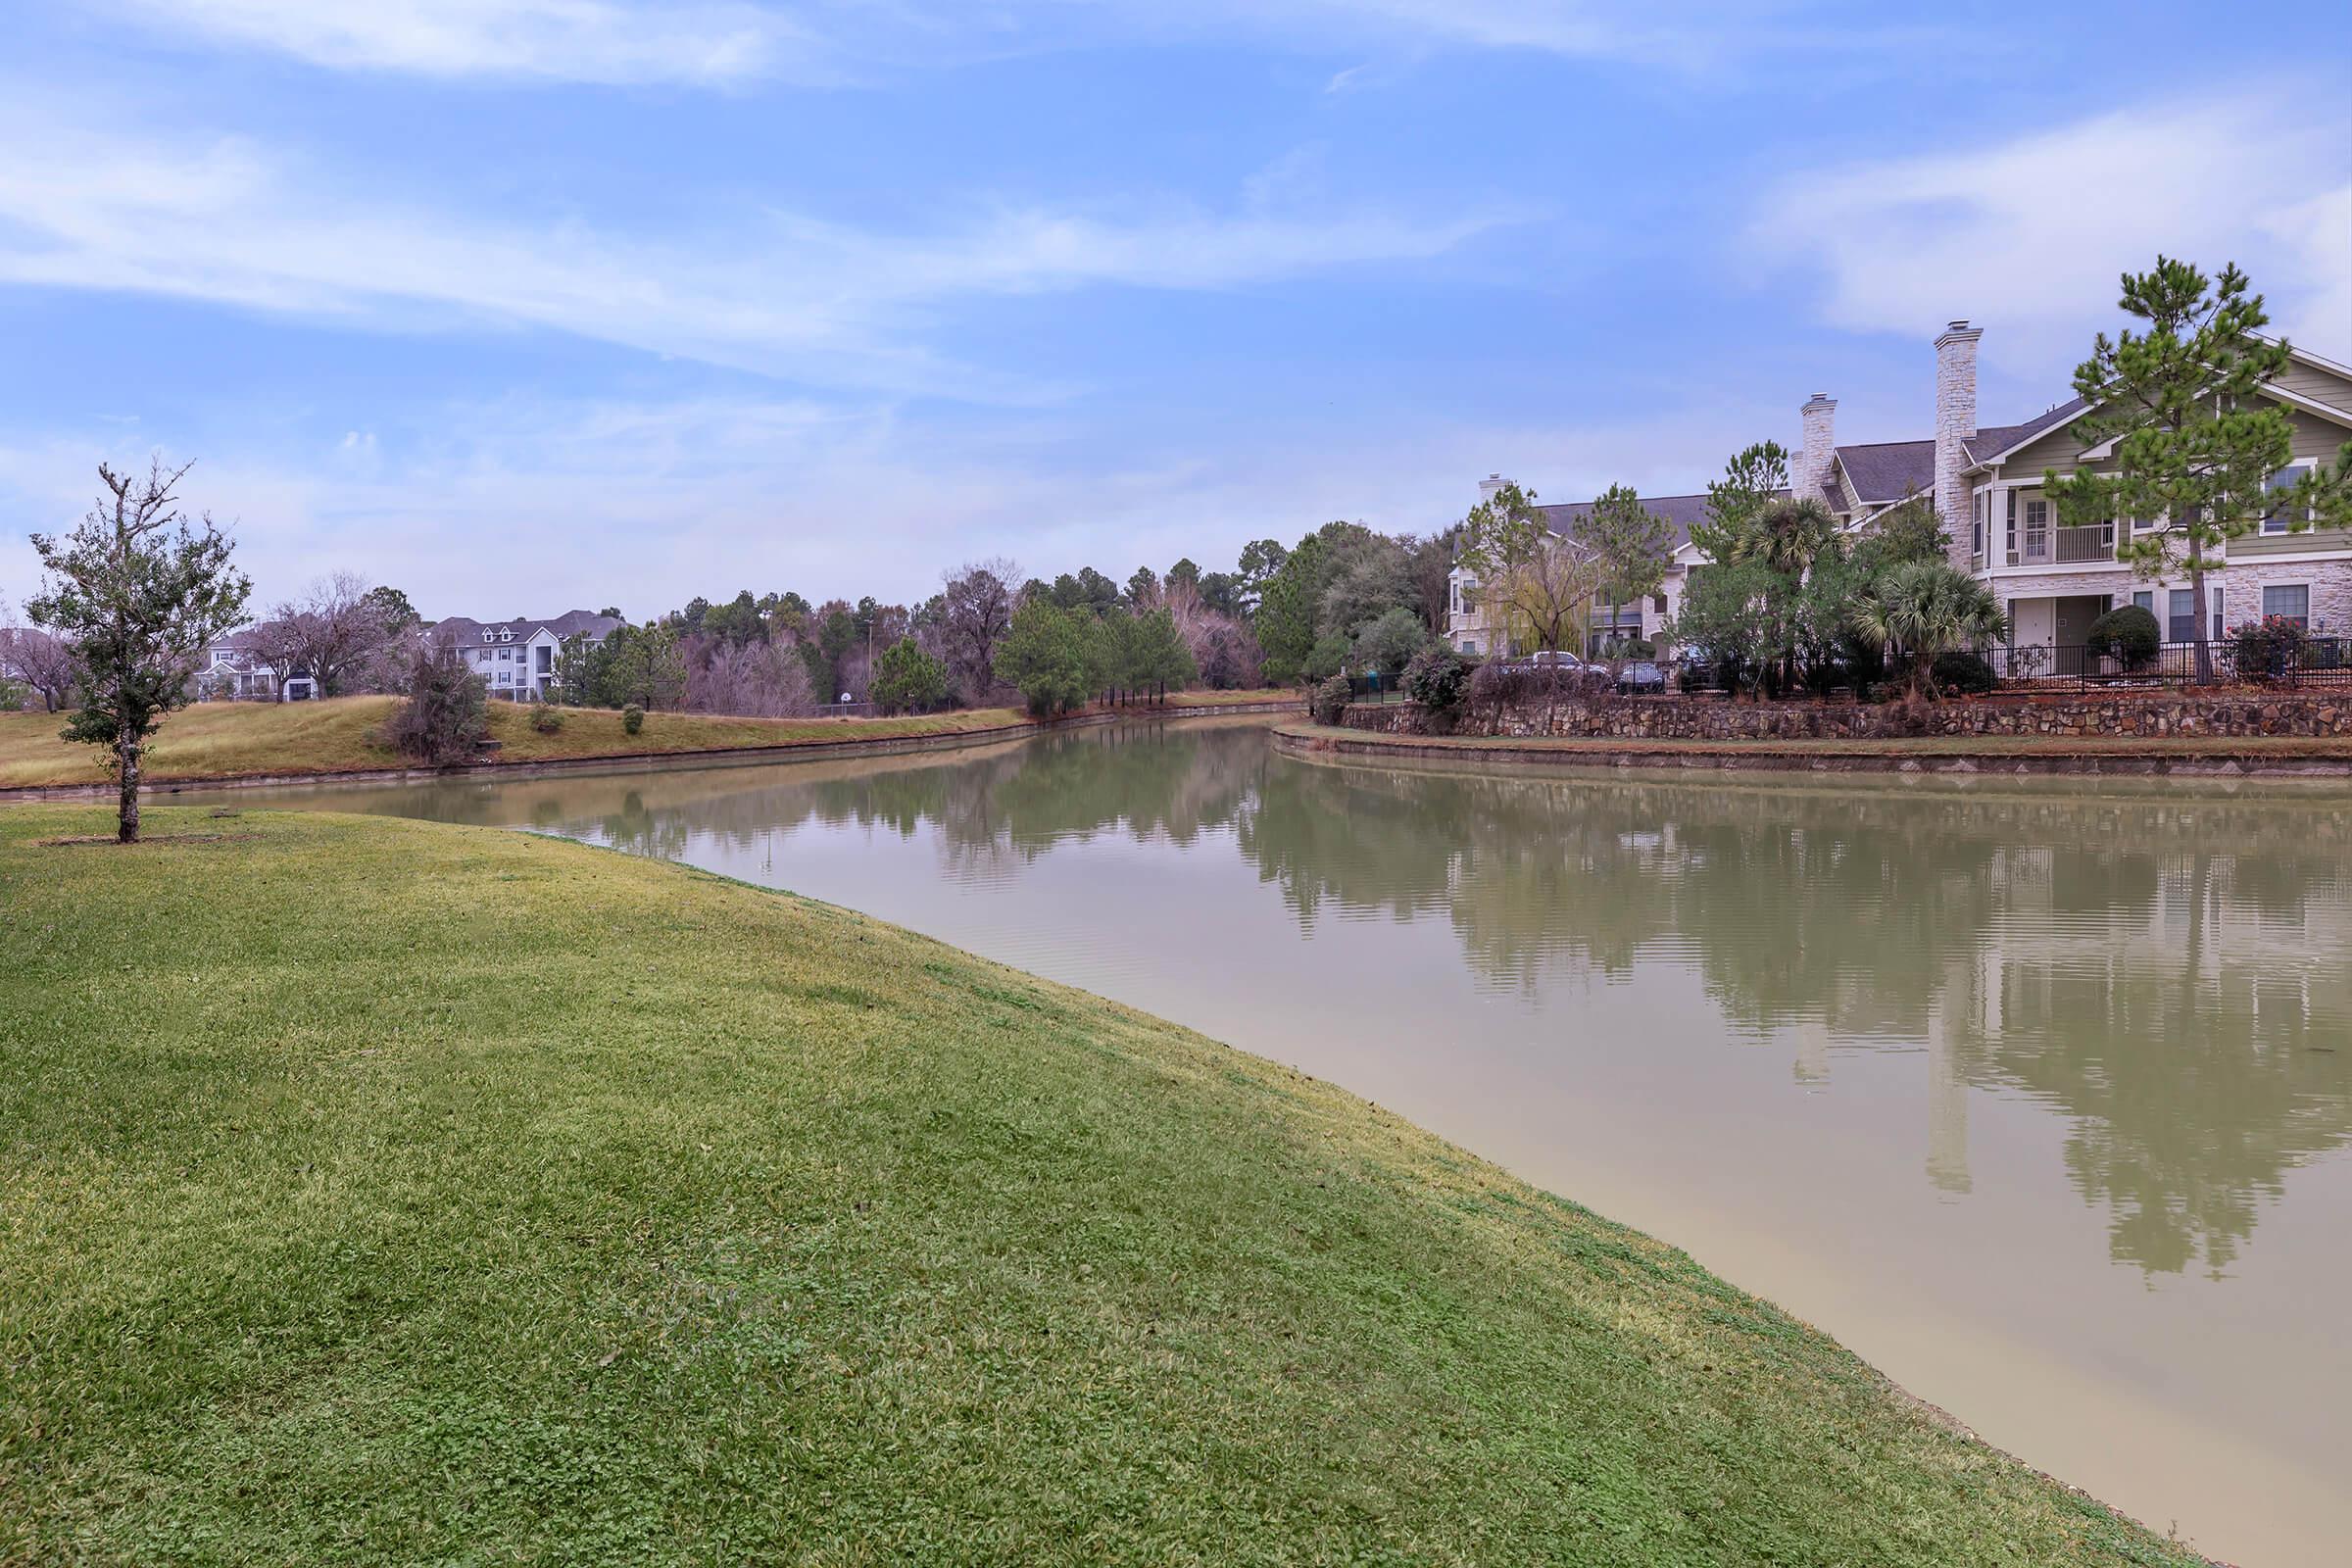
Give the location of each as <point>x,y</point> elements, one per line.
<point>2058,623</point>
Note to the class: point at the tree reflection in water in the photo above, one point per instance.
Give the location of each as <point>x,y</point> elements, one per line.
<point>2167,970</point>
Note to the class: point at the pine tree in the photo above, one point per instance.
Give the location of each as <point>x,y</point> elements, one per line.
<point>2195,444</point>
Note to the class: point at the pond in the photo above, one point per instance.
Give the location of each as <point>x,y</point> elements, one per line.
<point>2036,1094</point>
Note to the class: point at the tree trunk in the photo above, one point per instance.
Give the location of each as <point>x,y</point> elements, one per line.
<point>126,809</point>
<point>2196,593</point>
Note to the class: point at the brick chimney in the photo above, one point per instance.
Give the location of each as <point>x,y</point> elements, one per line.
<point>1955,422</point>
<point>1819,454</point>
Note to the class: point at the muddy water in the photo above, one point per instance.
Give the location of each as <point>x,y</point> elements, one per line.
<point>2035,1095</point>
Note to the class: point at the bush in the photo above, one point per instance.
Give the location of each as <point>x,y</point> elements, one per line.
<point>1963,672</point>
<point>1436,678</point>
<point>447,717</point>
<point>2128,634</point>
<point>1389,642</point>
<point>546,718</point>
<point>2268,648</point>
<point>1327,658</point>
<point>632,719</point>
<point>1330,699</point>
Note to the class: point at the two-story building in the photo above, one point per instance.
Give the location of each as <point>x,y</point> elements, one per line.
<point>1986,481</point>
<point>516,659</point>
<point>233,670</point>
<point>1473,631</point>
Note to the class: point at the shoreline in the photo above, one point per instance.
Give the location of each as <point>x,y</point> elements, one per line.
<point>654,760</point>
<point>1406,1200</point>
<point>1937,757</point>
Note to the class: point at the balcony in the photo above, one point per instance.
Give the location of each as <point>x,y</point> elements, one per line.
<point>2044,547</point>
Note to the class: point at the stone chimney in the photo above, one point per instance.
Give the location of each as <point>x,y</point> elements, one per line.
<point>1819,454</point>
<point>1955,422</point>
<point>1488,486</point>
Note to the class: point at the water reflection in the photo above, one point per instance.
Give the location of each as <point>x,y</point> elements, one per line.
<point>2035,1096</point>
<point>2166,971</point>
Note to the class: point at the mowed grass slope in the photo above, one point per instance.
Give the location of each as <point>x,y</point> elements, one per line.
<point>229,740</point>
<point>377,1191</point>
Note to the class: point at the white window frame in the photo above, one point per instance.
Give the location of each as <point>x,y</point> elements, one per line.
<point>2272,523</point>
<point>2270,588</point>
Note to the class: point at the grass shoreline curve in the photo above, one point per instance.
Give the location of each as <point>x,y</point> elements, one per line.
<point>379,1191</point>
<point>220,743</point>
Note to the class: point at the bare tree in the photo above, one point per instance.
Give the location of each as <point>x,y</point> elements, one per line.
<point>975,612</point>
<point>750,680</point>
<point>42,662</point>
<point>341,633</point>
<point>1546,596</point>
<point>137,592</point>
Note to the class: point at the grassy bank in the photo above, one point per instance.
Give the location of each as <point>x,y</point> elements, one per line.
<point>384,1191</point>
<point>230,740</point>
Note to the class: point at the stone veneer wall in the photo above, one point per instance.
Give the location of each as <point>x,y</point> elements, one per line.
<point>2234,715</point>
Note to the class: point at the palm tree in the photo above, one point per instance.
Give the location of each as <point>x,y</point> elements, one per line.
<point>1928,609</point>
<point>1789,536</point>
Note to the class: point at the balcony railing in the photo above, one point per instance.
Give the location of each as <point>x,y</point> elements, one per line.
<point>2040,547</point>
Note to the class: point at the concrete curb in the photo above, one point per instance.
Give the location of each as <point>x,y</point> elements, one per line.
<point>1763,757</point>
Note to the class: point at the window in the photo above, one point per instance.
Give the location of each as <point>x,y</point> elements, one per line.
<point>2291,600</point>
<point>1469,644</point>
<point>2038,530</point>
<point>2216,632</point>
<point>505,655</point>
<point>2145,599</point>
<point>2280,516</point>
<point>2183,616</point>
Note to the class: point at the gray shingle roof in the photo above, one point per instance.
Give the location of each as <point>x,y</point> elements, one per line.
<point>1992,440</point>
<point>1889,470</point>
<point>465,629</point>
<point>1680,511</point>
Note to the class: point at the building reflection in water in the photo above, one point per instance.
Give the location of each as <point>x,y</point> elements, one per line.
<point>2167,971</point>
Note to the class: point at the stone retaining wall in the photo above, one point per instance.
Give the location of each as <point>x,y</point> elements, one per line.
<point>2231,714</point>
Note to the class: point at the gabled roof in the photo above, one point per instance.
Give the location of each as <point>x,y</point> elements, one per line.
<point>1889,470</point>
<point>465,630</point>
<point>1995,442</point>
<point>1679,510</point>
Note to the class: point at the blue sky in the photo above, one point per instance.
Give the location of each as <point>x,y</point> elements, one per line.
<point>526,305</point>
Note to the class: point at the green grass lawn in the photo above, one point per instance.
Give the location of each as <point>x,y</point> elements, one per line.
<point>377,1191</point>
<point>226,739</point>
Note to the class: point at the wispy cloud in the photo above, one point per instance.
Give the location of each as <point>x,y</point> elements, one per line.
<point>229,221</point>
<point>724,43</point>
<point>575,40</point>
<point>645,504</point>
<point>2029,234</point>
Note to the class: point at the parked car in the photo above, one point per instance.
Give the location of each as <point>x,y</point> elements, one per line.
<point>1641,675</point>
<point>1548,659</point>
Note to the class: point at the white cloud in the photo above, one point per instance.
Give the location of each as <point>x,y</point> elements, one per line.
<point>573,40</point>
<point>230,221</point>
<point>520,506</point>
<point>733,42</point>
<point>2028,236</point>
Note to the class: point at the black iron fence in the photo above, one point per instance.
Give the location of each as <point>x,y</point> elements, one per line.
<point>2060,666</point>
<point>1375,687</point>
